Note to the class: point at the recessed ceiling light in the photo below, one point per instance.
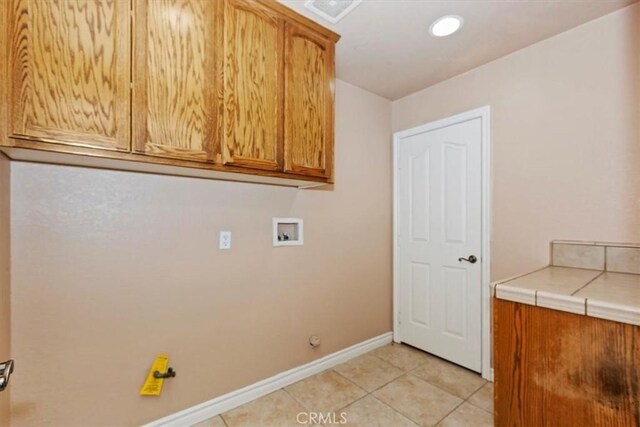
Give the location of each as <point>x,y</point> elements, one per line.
<point>446,26</point>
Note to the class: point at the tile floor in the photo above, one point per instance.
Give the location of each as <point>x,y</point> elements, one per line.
<point>393,386</point>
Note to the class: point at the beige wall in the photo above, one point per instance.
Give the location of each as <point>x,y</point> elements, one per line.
<point>111,268</point>
<point>566,138</point>
<point>5,184</point>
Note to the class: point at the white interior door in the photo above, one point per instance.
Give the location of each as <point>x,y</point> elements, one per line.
<point>439,221</point>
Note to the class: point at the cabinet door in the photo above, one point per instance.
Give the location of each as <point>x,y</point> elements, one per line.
<point>253,98</point>
<point>177,78</point>
<point>69,78</point>
<point>309,80</point>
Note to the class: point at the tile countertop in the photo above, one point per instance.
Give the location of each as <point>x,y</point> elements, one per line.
<point>596,293</point>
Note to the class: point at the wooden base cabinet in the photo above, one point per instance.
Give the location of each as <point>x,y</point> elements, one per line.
<point>554,368</point>
<point>242,86</point>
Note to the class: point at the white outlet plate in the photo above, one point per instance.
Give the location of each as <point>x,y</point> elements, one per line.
<point>225,240</point>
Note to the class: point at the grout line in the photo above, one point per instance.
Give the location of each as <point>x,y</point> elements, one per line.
<point>449,413</point>
<point>348,380</point>
<point>405,373</point>
<point>349,404</point>
<point>396,410</point>
<point>429,355</point>
<point>294,398</point>
<point>587,284</point>
<point>463,402</point>
<point>519,276</point>
<point>448,391</point>
<point>388,382</point>
<point>391,363</point>
<point>474,393</point>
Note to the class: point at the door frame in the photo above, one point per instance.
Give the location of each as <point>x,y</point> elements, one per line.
<point>483,113</point>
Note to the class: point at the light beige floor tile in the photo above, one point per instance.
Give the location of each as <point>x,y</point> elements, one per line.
<point>211,422</point>
<point>402,356</point>
<point>418,400</point>
<point>467,415</point>
<point>369,372</point>
<point>277,409</point>
<point>483,398</point>
<point>452,378</point>
<point>370,412</point>
<point>326,392</point>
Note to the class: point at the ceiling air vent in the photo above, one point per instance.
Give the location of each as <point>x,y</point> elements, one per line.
<point>332,10</point>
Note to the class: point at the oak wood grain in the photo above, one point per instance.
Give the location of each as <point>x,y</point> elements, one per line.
<point>295,18</point>
<point>4,69</point>
<point>309,100</point>
<point>69,71</point>
<point>560,369</point>
<point>253,85</point>
<point>177,81</point>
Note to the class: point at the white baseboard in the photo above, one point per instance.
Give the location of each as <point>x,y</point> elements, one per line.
<point>226,402</point>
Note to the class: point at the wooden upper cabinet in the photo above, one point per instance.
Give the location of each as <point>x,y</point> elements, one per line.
<point>69,72</point>
<point>309,80</point>
<point>253,85</point>
<point>177,78</point>
<point>242,86</point>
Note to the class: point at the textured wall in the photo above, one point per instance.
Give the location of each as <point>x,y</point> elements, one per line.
<point>566,138</point>
<point>5,260</point>
<point>110,268</point>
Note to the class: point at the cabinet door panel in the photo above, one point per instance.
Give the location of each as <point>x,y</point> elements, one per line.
<point>253,85</point>
<point>69,72</point>
<point>309,77</point>
<point>177,78</point>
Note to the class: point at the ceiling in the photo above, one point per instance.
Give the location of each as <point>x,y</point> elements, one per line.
<point>386,47</point>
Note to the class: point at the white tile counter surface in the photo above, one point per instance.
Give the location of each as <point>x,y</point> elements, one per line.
<point>592,291</point>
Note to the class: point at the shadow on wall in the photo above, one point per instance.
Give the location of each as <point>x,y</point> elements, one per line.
<point>632,184</point>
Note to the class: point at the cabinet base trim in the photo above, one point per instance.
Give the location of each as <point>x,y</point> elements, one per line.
<point>56,158</point>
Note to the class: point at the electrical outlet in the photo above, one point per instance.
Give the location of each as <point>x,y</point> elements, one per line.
<point>225,240</point>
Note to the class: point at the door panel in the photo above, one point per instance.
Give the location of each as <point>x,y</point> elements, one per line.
<point>178,78</point>
<point>455,291</point>
<point>420,293</point>
<point>69,72</point>
<point>419,197</point>
<point>439,221</point>
<point>309,78</point>
<point>455,194</point>
<point>254,67</point>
